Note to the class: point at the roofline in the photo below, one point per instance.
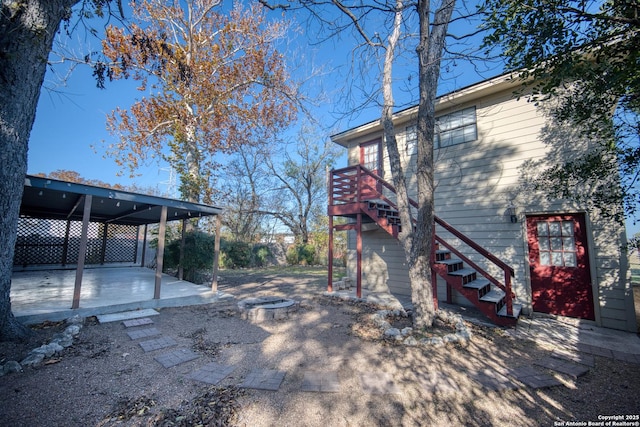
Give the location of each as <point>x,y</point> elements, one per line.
<point>86,189</point>
<point>464,94</point>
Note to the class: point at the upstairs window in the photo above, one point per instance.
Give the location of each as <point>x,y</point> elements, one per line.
<point>456,128</point>
<point>411,139</point>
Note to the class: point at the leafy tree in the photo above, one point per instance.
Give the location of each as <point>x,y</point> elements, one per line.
<point>213,83</point>
<point>27,30</point>
<point>583,59</point>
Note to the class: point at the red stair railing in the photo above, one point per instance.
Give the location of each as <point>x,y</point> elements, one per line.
<point>347,185</point>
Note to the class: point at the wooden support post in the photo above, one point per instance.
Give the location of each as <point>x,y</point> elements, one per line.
<point>103,247</point>
<point>359,256</point>
<point>135,249</point>
<point>65,244</point>
<point>82,251</point>
<point>144,246</point>
<point>216,254</point>
<point>330,260</point>
<point>160,252</point>
<point>182,240</point>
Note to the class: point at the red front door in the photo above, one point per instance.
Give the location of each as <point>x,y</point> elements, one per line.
<point>370,158</point>
<point>559,264</point>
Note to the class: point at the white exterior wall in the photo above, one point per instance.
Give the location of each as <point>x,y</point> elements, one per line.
<point>476,183</point>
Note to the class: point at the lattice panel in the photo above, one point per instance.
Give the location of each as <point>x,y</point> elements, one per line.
<point>46,241</point>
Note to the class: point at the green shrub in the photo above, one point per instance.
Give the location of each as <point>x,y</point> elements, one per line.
<point>301,255</point>
<point>198,254</point>
<point>261,255</point>
<point>235,254</point>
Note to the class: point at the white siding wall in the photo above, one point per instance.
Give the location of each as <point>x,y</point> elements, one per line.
<point>476,183</point>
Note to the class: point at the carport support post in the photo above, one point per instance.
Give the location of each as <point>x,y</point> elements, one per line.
<point>144,246</point>
<point>216,254</point>
<point>82,250</point>
<point>181,262</point>
<point>160,252</point>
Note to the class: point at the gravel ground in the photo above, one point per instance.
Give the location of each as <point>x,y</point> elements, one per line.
<point>106,379</point>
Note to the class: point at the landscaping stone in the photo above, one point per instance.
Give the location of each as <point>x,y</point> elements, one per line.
<point>10,367</point>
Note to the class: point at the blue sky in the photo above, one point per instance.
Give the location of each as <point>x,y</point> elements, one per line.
<point>69,132</point>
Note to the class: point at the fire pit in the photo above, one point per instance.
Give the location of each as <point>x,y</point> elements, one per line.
<point>257,310</point>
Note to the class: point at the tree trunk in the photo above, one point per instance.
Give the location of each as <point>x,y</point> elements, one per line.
<point>27,30</point>
<point>430,48</point>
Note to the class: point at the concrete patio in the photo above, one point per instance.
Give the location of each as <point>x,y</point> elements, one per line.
<point>39,295</point>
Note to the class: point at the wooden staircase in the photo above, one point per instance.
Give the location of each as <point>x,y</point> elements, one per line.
<point>491,296</point>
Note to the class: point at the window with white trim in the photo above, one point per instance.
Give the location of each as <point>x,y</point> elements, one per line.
<point>411,139</point>
<point>456,128</point>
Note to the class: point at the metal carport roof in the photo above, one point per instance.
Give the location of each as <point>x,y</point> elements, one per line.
<point>53,199</point>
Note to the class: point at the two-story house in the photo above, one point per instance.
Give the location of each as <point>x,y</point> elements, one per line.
<point>502,245</point>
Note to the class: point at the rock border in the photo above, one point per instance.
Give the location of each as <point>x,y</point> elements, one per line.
<point>59,342</point>
<point>405,336</point>
<point>462,335</point>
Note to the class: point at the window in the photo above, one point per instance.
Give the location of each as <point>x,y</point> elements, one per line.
<point>369,156</point>
<point>456,128</point>
<point>411,139</point>
<point>557,243</point>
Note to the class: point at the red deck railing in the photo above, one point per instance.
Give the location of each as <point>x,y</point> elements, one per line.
<point>357,184</point>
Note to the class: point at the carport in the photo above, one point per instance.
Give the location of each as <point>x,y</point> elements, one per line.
<point>50,199</point>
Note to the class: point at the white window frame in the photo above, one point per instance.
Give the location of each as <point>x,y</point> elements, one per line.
<point>456,128</point>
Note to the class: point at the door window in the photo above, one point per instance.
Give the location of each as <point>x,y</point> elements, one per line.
<point>556,242</point>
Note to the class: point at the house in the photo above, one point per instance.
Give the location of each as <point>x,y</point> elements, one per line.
<point>502,245</point>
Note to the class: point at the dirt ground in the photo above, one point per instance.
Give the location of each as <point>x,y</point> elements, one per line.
<point>106,379</point>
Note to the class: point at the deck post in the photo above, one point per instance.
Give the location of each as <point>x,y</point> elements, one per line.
<point>330,261</point>
<point>359,256</point>
<point>434,275</point>
<point>160,252</point>
<point>82,251</point>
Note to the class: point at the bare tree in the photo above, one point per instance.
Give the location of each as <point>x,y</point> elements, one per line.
<point>299,175</point>
<point>369,21</point>
<point>242,193</point>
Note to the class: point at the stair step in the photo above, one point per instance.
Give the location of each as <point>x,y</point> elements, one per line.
<point>495,296</point>
<point>451,261</point>
<point>442,255</point>
<point>517,309</point>
<point>462,271</point>
<point>478,284</point>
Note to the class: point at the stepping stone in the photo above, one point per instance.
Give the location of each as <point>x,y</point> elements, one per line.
<point>137,322</point>
<point>533,378</point>
<point>491,379</point>
<point>322,382</point>
<point>176,357</point>
<point>564,367</point>
<point>143,333</point>
<point>626,357</point>
<point>592,349</point>
<point>438,383</point>
<point>157,344</point>
<point>126,315</point>
<point>263,379</point>
<point>581,358</point>
<point>212,373</point>
<point>379,383</point>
